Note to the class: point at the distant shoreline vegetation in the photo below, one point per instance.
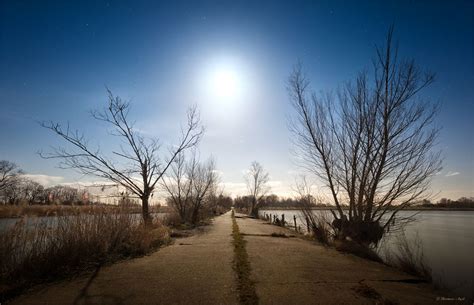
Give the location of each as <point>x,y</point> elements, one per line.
<point>416,208</point>
<point>273,202</point>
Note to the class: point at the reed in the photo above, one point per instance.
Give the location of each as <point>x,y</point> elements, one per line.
<point>35,250</point>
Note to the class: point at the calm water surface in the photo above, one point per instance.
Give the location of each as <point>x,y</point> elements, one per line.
<point>6,223</point>
<point>447,240</point>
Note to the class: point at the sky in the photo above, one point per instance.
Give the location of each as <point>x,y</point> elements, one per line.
<point>58,57</point>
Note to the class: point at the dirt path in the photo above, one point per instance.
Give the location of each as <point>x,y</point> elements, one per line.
<point>198,270</point>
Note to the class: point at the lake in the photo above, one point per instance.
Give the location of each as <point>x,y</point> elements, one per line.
<point>447,239</point>
<point>6,223</point>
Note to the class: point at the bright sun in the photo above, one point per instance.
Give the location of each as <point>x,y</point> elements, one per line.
<point>224,82</point>
<point>224,85</point>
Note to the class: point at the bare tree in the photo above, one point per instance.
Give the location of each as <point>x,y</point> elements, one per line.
<point>204,182</point>
<point>62,194</point>
<point>9,171</point>
<point>371,144</point>
<point>140,168</point>
<point>33,191</point>
<point>189,185</point>
<point>256,179</point>
<point>13,193</point>
<point>178,186</point>
<point>15,187</point>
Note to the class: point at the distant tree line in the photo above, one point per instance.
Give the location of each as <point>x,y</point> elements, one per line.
<point>16,189</point>
<point>244,203</point>
<point>463,202</point>
<point>192,191</point>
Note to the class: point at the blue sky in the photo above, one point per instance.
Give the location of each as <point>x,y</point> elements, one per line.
<point>56,57</point>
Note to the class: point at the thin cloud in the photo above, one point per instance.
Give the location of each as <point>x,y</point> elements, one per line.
<point>450,174</point>
<point>45,180</point>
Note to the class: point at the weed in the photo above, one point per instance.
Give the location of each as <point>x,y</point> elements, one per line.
<point>245,286</point>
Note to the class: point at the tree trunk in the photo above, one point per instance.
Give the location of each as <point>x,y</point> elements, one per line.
<point>195,216</point>
<point>253,208</point>
<point>182,214</point>
<point>147,219</point>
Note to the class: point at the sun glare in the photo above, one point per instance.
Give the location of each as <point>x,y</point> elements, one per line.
<point>224,82</point>
<point>224,85</point>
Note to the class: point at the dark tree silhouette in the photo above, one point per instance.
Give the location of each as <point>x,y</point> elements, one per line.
<point>371,144</point>
<point>140,168</point>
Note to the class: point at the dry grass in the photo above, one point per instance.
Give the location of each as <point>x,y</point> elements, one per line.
<point>409,257</point>
<point>13,211</point>
<point>36,250</point>
<point>319,225</point>
<point>173,219</point>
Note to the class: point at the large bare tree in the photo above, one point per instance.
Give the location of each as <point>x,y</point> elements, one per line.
<point>371,144</point>
<point>137,165</point>
<point>257,185</point>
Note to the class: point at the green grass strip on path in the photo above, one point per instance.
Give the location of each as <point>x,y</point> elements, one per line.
<point>245,286</point>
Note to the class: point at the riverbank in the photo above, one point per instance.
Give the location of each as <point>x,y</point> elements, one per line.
<point>200,270</point>
<point>347,208</point>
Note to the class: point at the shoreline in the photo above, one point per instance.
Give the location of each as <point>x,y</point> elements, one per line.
<point>345,208</point>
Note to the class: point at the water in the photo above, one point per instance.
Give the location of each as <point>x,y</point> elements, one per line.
<point>447,239</point>
<point>6,223</point>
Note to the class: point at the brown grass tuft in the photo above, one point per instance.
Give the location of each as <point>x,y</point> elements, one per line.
<point>409,257</point>
<point>36,250</point>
